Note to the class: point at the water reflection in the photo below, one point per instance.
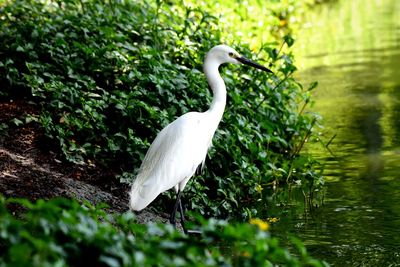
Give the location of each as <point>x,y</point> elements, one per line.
<point>353,49</point>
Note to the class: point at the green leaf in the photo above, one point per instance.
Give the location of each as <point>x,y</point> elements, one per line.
<point>17,122</point>
<point>312,85</point>
<point>289,40</point>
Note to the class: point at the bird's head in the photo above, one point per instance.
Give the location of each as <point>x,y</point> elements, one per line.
<point>226,54</point>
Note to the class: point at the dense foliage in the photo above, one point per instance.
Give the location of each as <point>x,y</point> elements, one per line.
<point>61,232</point>
<point>108,75</point>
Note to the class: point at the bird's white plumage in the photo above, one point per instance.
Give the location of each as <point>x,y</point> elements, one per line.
<point>182,145</point>
<point>172,158</point>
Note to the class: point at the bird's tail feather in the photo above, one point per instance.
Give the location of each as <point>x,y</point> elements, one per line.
<point>141,195</point>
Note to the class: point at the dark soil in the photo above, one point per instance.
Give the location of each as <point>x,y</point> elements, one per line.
<point>31,169</point>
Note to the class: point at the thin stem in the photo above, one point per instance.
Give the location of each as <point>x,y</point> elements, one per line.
<point>297,151</point>
<point>276,86</point>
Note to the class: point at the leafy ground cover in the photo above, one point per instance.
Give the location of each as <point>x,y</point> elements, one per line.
<point>107,75</point>
<point>62,232</point>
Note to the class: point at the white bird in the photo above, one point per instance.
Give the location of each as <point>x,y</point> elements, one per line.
<point>182,145</point>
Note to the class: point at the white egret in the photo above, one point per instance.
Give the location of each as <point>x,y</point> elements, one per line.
<point>182,145</point>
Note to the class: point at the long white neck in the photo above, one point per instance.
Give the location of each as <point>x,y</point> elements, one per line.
<point>217,86</point>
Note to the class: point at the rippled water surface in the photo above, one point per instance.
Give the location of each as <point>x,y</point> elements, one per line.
<point>352,48</point>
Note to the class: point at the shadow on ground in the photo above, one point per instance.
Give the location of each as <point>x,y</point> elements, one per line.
<point>29,169</point>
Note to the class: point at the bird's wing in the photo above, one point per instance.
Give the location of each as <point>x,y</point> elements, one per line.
<point>173,157</point>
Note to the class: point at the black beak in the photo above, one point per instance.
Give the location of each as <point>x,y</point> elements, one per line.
<point>253,64</point>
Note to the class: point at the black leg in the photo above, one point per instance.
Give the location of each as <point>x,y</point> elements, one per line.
<point>182,216</point>
<point>178,204</point>
<point>181,211</point>
<point>172,218</point>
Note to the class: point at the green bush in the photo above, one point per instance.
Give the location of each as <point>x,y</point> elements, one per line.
<point>61,232</point>
<point>108,75</point>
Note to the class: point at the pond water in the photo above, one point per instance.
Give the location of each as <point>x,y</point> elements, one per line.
<point>352,48</point>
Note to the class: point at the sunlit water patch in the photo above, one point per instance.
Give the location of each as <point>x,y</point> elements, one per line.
<point>352,48</point>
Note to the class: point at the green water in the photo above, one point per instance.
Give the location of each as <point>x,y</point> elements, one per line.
<point>352,47</point>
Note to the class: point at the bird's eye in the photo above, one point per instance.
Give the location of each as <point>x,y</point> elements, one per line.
<point>230,54</point>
